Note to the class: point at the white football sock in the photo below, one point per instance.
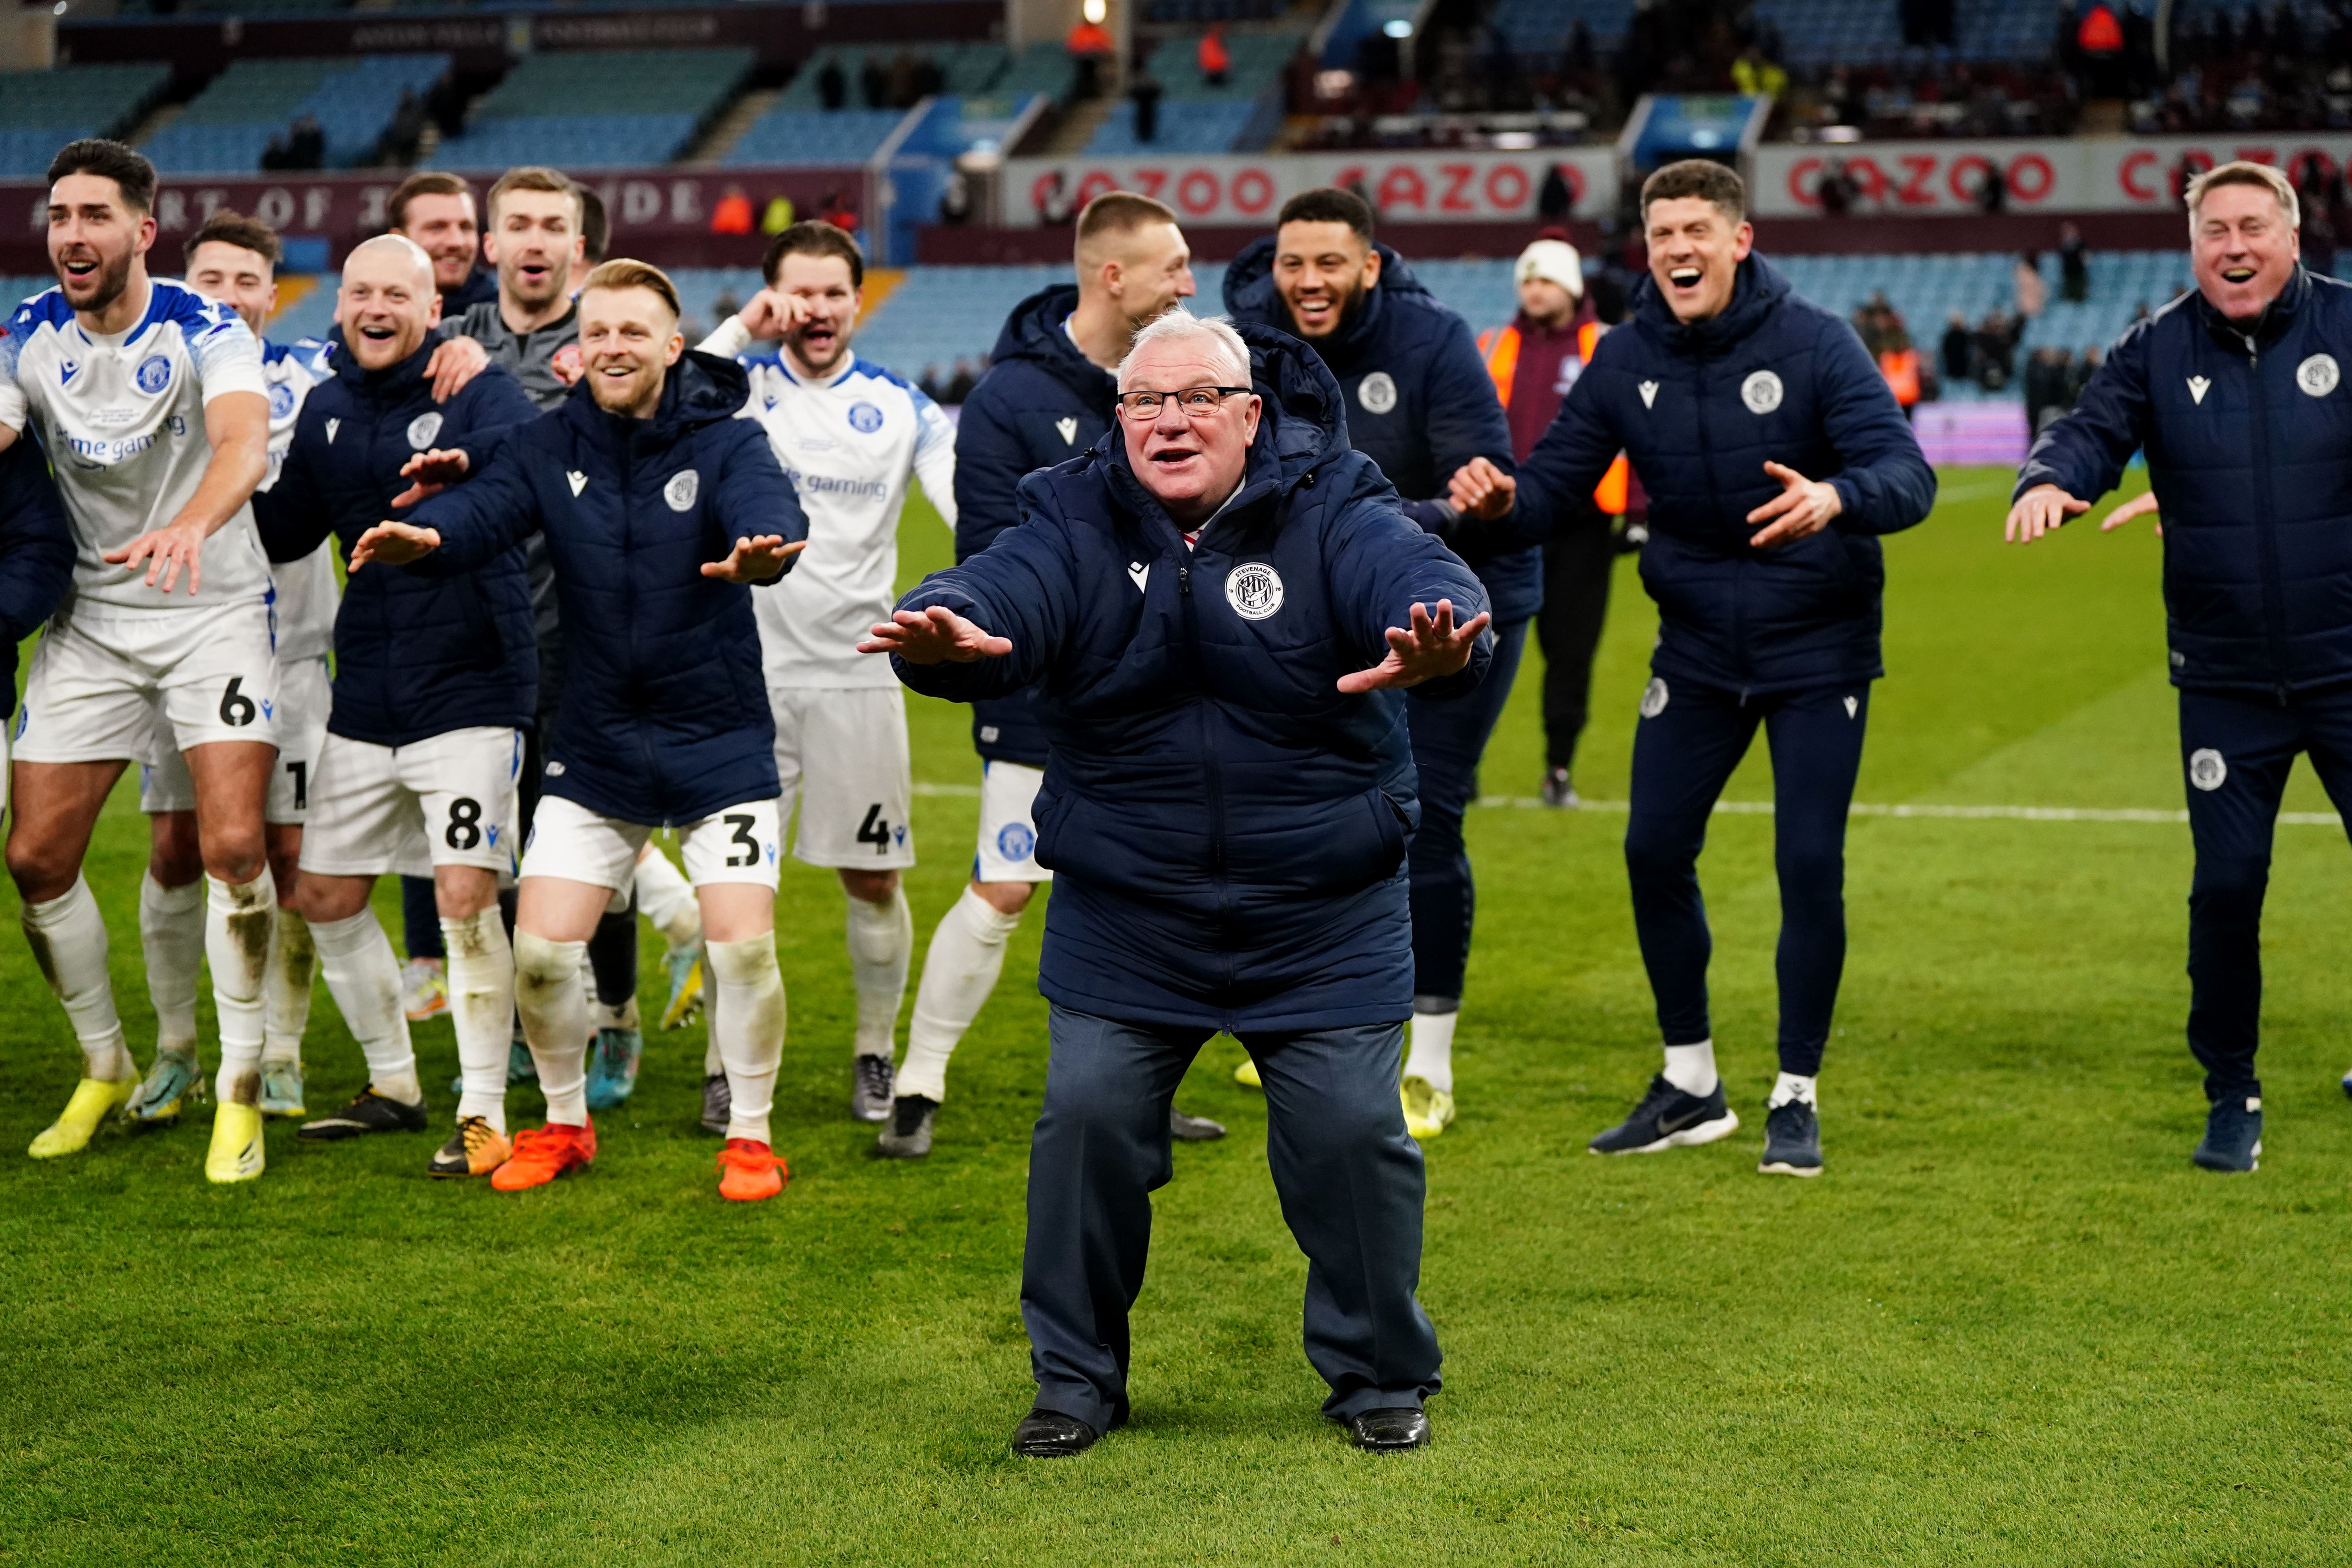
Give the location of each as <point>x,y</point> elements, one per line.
<point>239,920</point>
<point>364,978</point>
<point>1691,1068</point>
<point>1790,1085</point>
<point>293,962</point>
<point>172,940</point>
<point>749,1026</point>
<point>1431,1057</point>
<point>481,1004</point>
<point>881,945</point>
<point>666,898</point>
<point>67,936</point>
<point>600,1016</point>
<point>966,955</point>
<point>551,995</point>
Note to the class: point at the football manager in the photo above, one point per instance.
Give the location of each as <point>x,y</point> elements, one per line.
<point>1220,608</point>
<point>2235,391</point>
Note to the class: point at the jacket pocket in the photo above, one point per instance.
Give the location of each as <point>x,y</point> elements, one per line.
<point>1050,813</point>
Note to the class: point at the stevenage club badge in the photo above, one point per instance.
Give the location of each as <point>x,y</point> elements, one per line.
<point>1254,590</point>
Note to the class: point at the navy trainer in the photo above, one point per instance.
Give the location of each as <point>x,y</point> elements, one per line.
<point>1667,1118</point>
<point>1793,1141</point>
<point>2233,1134</point>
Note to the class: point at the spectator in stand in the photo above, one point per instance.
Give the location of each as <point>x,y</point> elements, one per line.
<point>1090,46</point>
<point>2084,369</point>
<point>959,386</point>
<point>1213,57</point>
<point>274,156</point>
<point>1053,202</point>
<point>2073,265</point>
<point>1757,77</point>
<point>1145,91</point>
<point>1836,189</point>
<point>931,385</point>
<point>724,304</point>
<point>779,215</point>
<point>832,87</point>
<point>955,199</point>
<point>1960,345</point>
<point>838,210</point>
<point>1898,361</point>
<point>406,133</point>
<point>305,145</point>
<point>733,213</point>
<point>1992,190</point>
<point>2033,293</point>
<point>1556,199</point>
<point>1996,350</point>
<point>874,84</point>
<point>2049,386</point>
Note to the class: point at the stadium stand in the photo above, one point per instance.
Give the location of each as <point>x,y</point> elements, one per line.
<point>227,128</point>
<point>1810,32</point>
<point>815,137</point>
<point>649,105</point>
<point>1239,115</point>
<point>42,110</point>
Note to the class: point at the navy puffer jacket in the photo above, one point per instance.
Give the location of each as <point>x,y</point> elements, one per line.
<point>664,717</point>
<point>1699,409</point>
<point>36,547</point>
<point>414,656</point>
<point>1041,402</point>
<point>1418,402</point>
<point>2249,439</point>
<point>1227,828</point>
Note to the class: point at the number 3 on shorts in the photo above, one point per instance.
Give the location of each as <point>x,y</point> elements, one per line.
<point>741,822</point>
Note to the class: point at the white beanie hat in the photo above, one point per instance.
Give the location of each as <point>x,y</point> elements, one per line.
<point>1555,259</point>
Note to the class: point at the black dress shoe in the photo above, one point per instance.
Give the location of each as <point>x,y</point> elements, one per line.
<point>1050,1435</point>
<point>1386,1431</point>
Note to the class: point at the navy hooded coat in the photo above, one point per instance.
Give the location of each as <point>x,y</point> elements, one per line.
<point>664,717</point>
<point>1227,828</point>
<point>1700,408</point>
<point>1419,402</point>
<point>36,547</point>
<point>2247,436</point>
<point>414,656</point>
<point>1041,402</point>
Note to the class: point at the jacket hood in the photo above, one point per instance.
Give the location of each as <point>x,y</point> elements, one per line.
<point>1250,293</point>
<point>1302,423</point>
<point>1034,332</point>
<point>1758,287</point>
<point>702,389</point>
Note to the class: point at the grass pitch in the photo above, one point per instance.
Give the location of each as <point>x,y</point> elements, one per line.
<point>2011,1325</point>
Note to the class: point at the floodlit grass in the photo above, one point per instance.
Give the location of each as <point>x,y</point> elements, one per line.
<point>2010,1325</point>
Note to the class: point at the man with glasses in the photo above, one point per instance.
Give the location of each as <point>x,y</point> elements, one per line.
<point>1219,612</point>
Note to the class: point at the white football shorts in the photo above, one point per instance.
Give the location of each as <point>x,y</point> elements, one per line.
<point>570,841</point>
<point>446,800</point>
<point>111,685</point>
<point>1008,833</point>
<point>305,694</point>
<point>842,752</point>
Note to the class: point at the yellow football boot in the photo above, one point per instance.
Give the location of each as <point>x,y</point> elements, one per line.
<point>94,1099</point>
<point>1427,1109</point>
<point>235,1154</point>
<point>1246,1074</point>
<point>685,986</point>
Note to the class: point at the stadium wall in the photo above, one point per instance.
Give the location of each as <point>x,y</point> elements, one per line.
<point>2079,175</point>
<point>1432,187</point>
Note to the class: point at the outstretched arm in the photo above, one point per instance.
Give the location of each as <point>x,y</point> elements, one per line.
<point>2082,453</point>
<point>237,426</point>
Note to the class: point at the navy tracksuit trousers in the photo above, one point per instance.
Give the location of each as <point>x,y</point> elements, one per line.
<point>2236,752</point>
<point>1448,739</point>
<point>1689,740</point>
<point>1350,1179</point>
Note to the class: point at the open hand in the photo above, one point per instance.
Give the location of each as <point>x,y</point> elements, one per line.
<point>769,314</point>
<point>1803,506</point>
<point>2040,510</point>
<point>457,362</point>
<point>754,560</point>
<point>395,544</point>
<point>1480,490</point>
<point>2140,505</point>
<point>1431,648</point>
<point>165,550</point>
<point>935,636</point>
<point>433,472</point>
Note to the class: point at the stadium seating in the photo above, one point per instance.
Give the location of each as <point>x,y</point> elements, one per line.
<point>226,128</point>
<point>1195,116</point>
<point>1812,32</point>
<point>597,109</point>
<point>813,137</point>
<point>970,68</point>
<point>42,110</point>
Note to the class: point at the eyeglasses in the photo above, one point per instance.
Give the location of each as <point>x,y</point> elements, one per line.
<point>1197,402</point>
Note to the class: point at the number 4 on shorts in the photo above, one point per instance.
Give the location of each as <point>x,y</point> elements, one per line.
<point>874,830</point>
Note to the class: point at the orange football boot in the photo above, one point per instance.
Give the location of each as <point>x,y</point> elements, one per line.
<point>750,1171</point>
<point>544,1153</point>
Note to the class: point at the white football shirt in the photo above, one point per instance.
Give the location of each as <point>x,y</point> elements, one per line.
<point>122,416</point>
<point>306,588</point>
<point>850,443</point>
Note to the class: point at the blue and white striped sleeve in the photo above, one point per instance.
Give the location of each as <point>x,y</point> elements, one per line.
<point>227,355</point>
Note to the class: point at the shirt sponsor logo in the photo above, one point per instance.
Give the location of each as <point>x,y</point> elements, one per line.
<point>421,429</point>
<point>828,484</point>
<point>153,374</point>
<point>1761,391</point>
<point>683,486</point>
<point>865,417</point>
<point>1254,590</point>
<point>2317,375</point>
<point>1376,392</point>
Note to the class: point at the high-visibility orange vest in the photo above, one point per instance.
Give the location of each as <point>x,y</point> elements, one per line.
<point>1501,347</point>
<point>1901,369</point>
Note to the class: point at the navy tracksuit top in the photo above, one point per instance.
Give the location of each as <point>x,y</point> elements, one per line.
<point>664,717</point>
<point>36,548</point>
<point>1227,829</point>
<point>414,656</point>
<point>1417,400</point>
<point>2247,433</point>
<point>1699,408</point>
